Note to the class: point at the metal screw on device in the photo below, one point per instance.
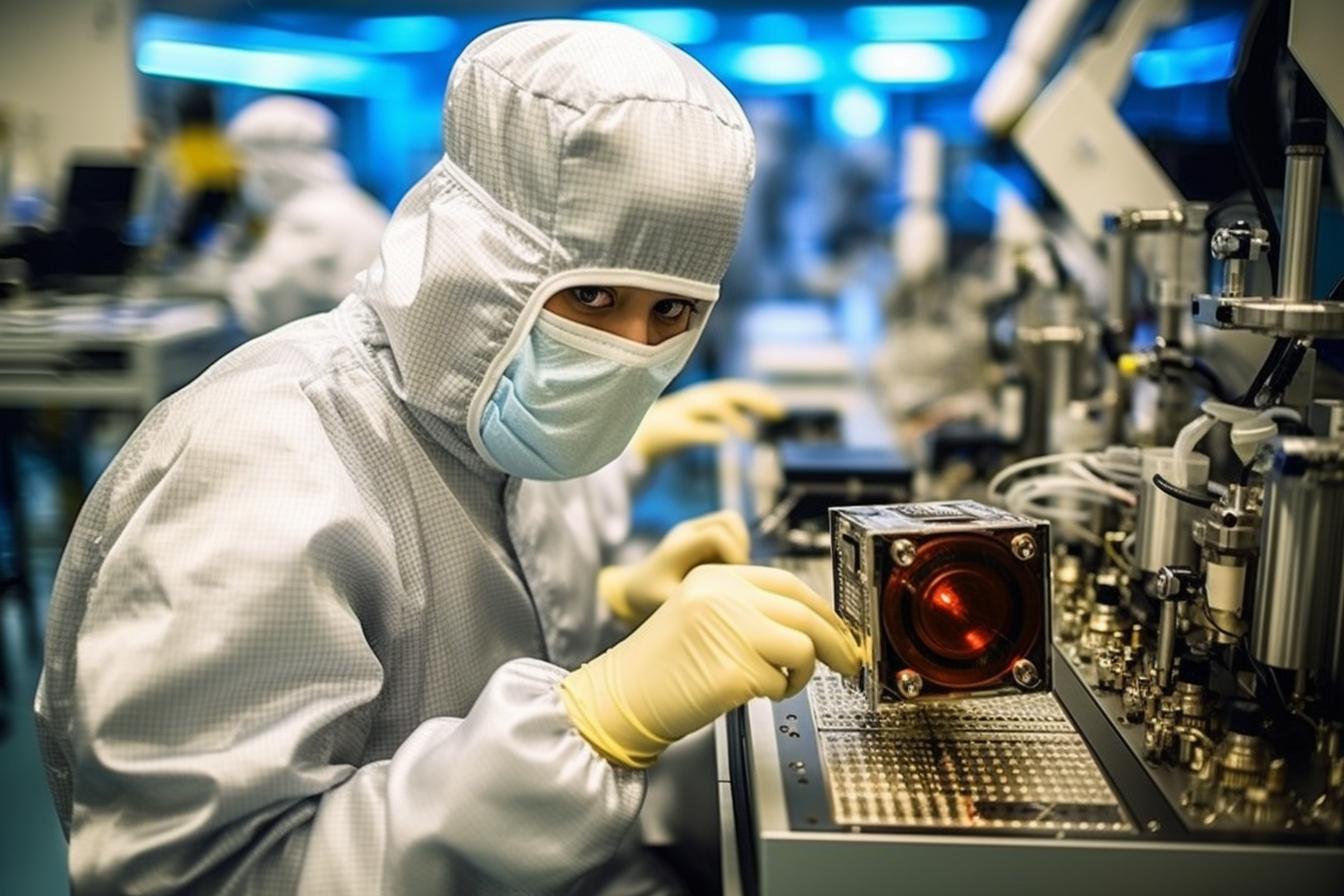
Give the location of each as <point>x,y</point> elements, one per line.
<point>1237,246</point>
<point>1167,585</point>
<point>1024,547</point>
<point>903,552</point>
<point>1025,674</point>
<point>909,683</point>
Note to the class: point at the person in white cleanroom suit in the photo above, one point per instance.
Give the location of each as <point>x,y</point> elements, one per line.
<point>321,229</point>
<point>291,646</point>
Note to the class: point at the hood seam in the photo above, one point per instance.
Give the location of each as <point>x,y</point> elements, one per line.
<point>614,101</point>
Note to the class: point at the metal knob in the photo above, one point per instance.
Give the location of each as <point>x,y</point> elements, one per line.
<point>1237,246</point>
<point>1173,582</point>
<point>1239,241</point>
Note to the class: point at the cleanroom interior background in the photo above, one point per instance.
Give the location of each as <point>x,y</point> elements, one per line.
<point>829,89</point>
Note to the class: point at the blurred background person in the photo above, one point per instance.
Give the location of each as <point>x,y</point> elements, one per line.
<point>204,168</point>
<point>320,229</point>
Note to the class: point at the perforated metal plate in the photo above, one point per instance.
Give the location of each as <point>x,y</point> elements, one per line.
<point>994,763</point>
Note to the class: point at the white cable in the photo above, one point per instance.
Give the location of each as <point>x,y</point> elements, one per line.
<point>1082,471</point>
<point>1083,486</point>
<point>1099,464</point>
<point>1030,463</point>
<point>1283,412</point>
<point>1186,441</point>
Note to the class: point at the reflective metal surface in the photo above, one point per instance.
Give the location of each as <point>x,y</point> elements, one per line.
<point>1301,206</point>
<point>1163,534</point>
<point>1301,582</point>
<point>991,763</point>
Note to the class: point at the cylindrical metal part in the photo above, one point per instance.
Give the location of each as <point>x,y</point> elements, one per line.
<point>1225,584</point>
<point>1300,587</point>
<point>1054,360</point>
<point>1166,642</point>
<point>1173,307</point>
<point>1119,268</point>
<point>1234,278</point>
<point>1301,205</point>
<point>1163,536</point>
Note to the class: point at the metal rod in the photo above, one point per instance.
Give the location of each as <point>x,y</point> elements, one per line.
<point>1166,642</point>
<point>1301,205</point>
<point>1120,269</point>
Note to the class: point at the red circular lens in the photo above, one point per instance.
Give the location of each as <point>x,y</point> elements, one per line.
<point>963,612</point>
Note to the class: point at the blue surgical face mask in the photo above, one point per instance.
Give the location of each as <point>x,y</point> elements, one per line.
<point>569,403</point>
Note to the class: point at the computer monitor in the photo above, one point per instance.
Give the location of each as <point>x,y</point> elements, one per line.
<point>99,196</point>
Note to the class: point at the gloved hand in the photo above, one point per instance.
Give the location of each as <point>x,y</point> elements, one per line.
<point>703,415</point>
<point>633,592</point>
<point>730,633</point>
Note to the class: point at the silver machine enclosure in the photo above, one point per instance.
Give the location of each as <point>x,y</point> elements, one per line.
<point>1300,588</point>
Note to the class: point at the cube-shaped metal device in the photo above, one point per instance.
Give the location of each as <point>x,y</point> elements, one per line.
<point>947,599</point>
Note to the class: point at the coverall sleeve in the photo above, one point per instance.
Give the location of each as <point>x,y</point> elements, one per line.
<point>229,667</point>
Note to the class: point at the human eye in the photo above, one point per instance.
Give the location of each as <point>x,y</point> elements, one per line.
<point>593,297</point>
<point>673,309</point>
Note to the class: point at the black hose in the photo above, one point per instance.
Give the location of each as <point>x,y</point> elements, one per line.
<point>1281,377</point>
<point>1200,370</point>
<point>1183,494</point>
<point>1248,54</point>
<point>1262,375</point>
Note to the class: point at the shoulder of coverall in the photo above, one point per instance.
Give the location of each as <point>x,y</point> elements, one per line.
<point>523,99</point>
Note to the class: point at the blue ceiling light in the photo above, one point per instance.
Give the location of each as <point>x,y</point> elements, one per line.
<point>676,25</point>
<point>916,23</point>
<point>1198,53</point>
<point>770,27</point>
<point>180,29</point>
<point>778,64</point>
<point>1176,67</point>
<point>406,34</point>
<point>1208,32</point>
<point>268,69</point>
<point>858,112</point>
<point>903,63</point>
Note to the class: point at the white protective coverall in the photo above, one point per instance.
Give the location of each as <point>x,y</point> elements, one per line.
<point>321,231</point>
<point>291,646</point>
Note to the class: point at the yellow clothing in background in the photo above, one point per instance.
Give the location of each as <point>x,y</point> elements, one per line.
<point>202,159</point>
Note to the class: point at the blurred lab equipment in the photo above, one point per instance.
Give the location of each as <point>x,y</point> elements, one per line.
<point>89,241</point>
<point>1185,722</point>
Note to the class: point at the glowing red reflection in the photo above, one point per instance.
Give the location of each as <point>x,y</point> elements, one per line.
<point>963,612</point>
<point>960,613</point>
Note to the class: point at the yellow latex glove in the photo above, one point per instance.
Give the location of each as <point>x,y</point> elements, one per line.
<point>633,592</point>
<point>703,415</point>
<point>730,633</point>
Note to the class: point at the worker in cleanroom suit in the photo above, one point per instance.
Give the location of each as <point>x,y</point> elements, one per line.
<point>321,229</point>
<point>291,647</point>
